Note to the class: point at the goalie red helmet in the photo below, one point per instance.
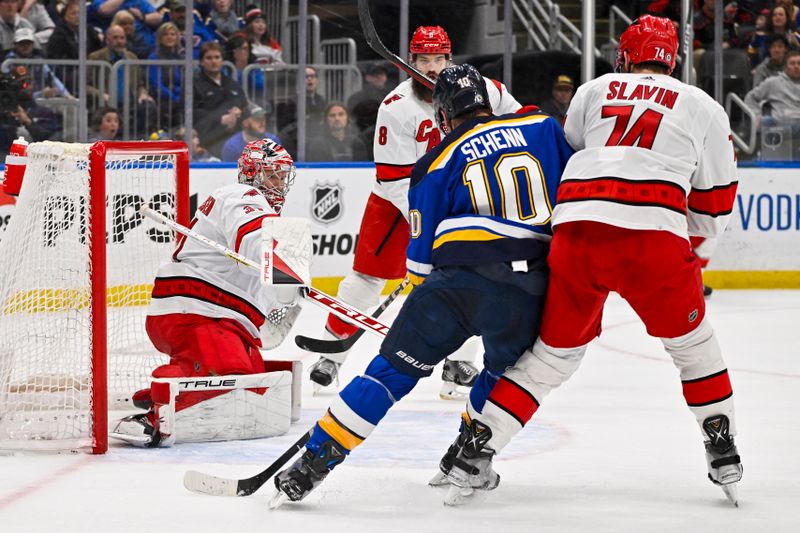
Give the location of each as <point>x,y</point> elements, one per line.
<point>430,40</point>
<point>267,166</point>
<point>649,39</point>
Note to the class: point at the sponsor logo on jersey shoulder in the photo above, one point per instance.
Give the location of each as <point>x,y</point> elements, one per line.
<point>326,202</point>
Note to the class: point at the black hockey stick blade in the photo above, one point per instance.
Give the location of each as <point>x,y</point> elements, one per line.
<point>311,344</point>
<point>219,486</point>
<point>375,43</point>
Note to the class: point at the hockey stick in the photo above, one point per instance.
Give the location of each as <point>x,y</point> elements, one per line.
<point>374,42</point>
<point>201,483</point>
<point>283,275</point>
<point>342,345</point>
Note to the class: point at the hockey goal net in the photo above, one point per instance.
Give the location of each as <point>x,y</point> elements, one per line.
<point>77,264</point>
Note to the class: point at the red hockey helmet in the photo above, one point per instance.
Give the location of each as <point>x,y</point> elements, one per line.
<point>649,39</point>
<point>430,40</point>
<point>267,166</point>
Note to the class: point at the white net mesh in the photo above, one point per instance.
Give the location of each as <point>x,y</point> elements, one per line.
<point>45,267</point>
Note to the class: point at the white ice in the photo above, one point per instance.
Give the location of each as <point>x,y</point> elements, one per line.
<point>614,449</point>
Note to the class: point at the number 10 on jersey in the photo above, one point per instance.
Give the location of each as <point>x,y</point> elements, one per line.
<point>514,189</point>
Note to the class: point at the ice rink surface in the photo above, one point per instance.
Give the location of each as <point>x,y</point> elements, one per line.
<point>614,449</point>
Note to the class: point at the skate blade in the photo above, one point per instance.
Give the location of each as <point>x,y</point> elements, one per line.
<point>453,392</point>
<point>457,496</point>
<point>732,493</point>
<point>439,480</point>
<point>278,499</point>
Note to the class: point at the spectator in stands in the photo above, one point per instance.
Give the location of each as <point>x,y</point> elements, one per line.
<point>197,153</point>
<point>704,30</point>
<point>792,10</point>
<point>563,90</point>
<point>758,38</point>
<point>779,23</point>
<point>30,120</point>
<point>137,44</point>
<point>337,140</point>
<point>222,20</point>
<point>315,102</point>
<point>63,43</point>
<point>287,111</point>
<point>780,97</point>
<point>37,15</point>
<point>237,51</point>
<point>142,106</point>
<point>45,83</point>
<point>177,14</point>
<point>166,80</point>
<point>147,18</point>
<point>264,47</point>
<point>218,100</point>
<point>254,127</point>
<point>10,21</point>
<point>105,124</point>
<point>772,65</point>
<point>363,104</point>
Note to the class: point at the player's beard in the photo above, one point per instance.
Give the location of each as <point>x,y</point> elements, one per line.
<point>420,91</point>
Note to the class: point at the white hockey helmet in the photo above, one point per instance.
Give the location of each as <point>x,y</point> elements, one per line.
<point>267,166</point>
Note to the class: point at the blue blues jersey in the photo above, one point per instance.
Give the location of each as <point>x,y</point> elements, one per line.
<point>486,193</point>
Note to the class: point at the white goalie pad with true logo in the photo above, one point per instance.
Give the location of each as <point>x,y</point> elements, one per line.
<point>256,406</point>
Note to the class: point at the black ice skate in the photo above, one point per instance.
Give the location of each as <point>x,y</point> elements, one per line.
<point>707,291</point>
<point>325,371</point>
<point>724,464</point>
<point>468,464</point>
<point>457,378</point>
<point>297,481</point>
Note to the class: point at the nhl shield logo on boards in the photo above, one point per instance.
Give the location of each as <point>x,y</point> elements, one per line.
<point>326,203</point>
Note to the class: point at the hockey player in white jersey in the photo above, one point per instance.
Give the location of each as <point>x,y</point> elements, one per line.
<point>208,312</point>
<point>405,130</point>
<point>654,165</point>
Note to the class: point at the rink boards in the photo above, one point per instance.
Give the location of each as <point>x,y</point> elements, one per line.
<point>760,248</point>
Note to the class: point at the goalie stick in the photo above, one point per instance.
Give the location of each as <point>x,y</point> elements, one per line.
<point>201,483</point>
<point>283,275</point>
<point>374,42</point>
<point>342,345</point>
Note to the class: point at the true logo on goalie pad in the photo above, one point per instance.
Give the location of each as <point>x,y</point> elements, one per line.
<point>326,205</point>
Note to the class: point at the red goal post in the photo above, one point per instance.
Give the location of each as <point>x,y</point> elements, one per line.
<point>77,264</point>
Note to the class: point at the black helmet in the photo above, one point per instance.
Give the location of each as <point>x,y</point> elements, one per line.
<point>459,89</point>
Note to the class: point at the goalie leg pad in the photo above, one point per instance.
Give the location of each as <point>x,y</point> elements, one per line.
<point>241,413</point>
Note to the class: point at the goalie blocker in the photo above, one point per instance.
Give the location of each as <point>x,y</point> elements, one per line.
<point>249,407</point>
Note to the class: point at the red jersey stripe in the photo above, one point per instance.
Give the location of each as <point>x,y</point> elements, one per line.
<point>514,400</point>
<point>392,172</point>
<point>708,389</point>
<point>631,192</point>
<point>247,228</point>
<point>714,202</point>
<point>205,291</point>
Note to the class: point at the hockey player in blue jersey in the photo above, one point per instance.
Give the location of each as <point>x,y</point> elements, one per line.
<point>480,206</point>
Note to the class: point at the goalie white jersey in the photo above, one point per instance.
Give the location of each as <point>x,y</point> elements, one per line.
<point>406,130</point>
<point>652,153</point>
<point>202,281</point>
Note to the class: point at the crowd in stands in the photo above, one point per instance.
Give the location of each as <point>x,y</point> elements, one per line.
<point>759,34</point>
